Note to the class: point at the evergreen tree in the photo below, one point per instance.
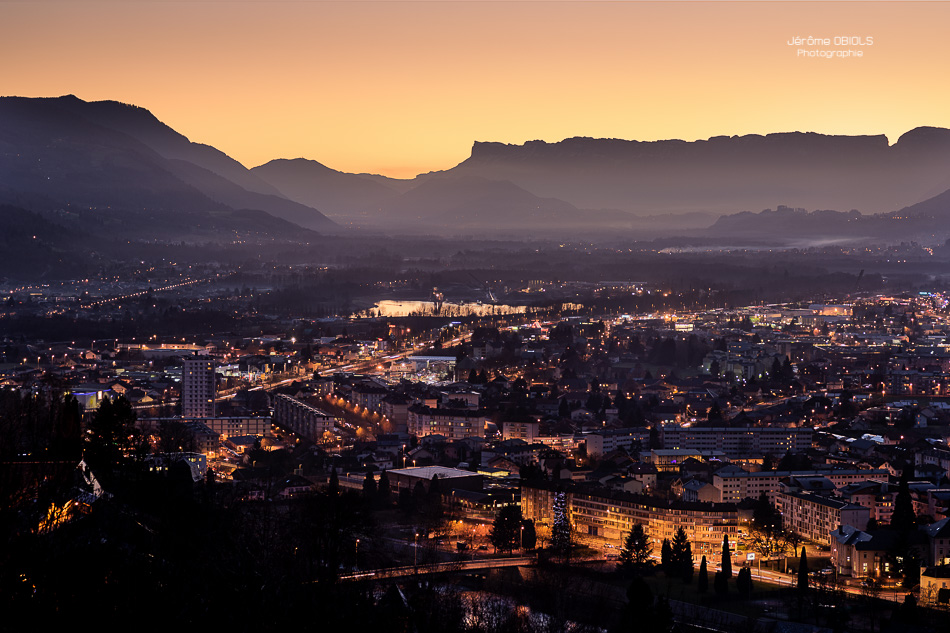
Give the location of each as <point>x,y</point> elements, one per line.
<point>561,530</point>
<point>506,529</point>
<point>803,572</point>
<point>384,491</point>
<point>764,516</point>
<point>702,583</point>
<point>787,371</point>
<point>333,487</point>
<point>529,535</point>
<point>776,373</point>
<point>681,555</point>
<point>404,500</point>
<point>666,558</point>
<point>910,569</point>
<point>744,582</point>
<point>369,487</point>
<point>419,497</point>
<point>431,508</point>
<point>726,558</point>
<point>904,519</point>
<point>635,554</point>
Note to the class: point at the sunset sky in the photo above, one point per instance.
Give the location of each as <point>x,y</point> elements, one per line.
<point>401,88</point>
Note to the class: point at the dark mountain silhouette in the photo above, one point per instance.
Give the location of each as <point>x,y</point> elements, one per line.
<point>647,187</point>
<point>55,157</point>
<point>794,223</point>
<point>936,208</point>
<point>924,221</point>
<point>340,195</point>
<point>120,169</point>
<point>725,174</point>
<point>143,126</point>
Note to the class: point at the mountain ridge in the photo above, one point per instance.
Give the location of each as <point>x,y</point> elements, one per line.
<point>63,152</point>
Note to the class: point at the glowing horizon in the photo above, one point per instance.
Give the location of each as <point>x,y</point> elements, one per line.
<point>401,88</point>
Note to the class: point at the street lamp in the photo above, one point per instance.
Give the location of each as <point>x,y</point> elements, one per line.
<point>522,538</point>
<point>357,552</point>
<point>415,554</point>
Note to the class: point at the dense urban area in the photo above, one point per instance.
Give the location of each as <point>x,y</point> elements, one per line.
<point>499,463</point>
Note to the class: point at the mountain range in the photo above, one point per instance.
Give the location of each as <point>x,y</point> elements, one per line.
<point>111,167</point>
<point>115,165</point>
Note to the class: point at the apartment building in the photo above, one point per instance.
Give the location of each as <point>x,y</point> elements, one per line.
<point>735,484</point>
<point>737,442</point>
<point>610,514</point>
<point>197,387</point>
<point>816,517</point>
<point>453,424</point>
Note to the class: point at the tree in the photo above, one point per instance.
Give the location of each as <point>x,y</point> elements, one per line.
<point>803,573</point>
<point>561,530</point>
<point>776,373</point>
<point>506,529</point>
<point>744,582</point>
<point>174,437</point>
<point>720,584</point>
<point>419,497</point>
<point>635,554</point>
<point>904,519</point>
<point>681,555</point>
<point>910,569</point>
<point>666,557</point>
<point>404,501</point>
<point>384,490</point>
<point>702,583</point>
<point>726,558</point>
<point>764,516</point>
<point>112,442</point>
<point>369,487</point>
<point>431,506</point>
<point>794,539</point>
<point>767,534</point>
<point>529,534</point>
<point>333,487</point>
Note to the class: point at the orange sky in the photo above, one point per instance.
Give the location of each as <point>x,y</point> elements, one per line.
<point>405,87</point>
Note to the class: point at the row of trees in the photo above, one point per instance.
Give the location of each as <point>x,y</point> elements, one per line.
<point>511,531</point>
<point>676,561</point>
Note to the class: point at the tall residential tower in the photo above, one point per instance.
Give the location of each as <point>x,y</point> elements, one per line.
<point>197,387</point>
